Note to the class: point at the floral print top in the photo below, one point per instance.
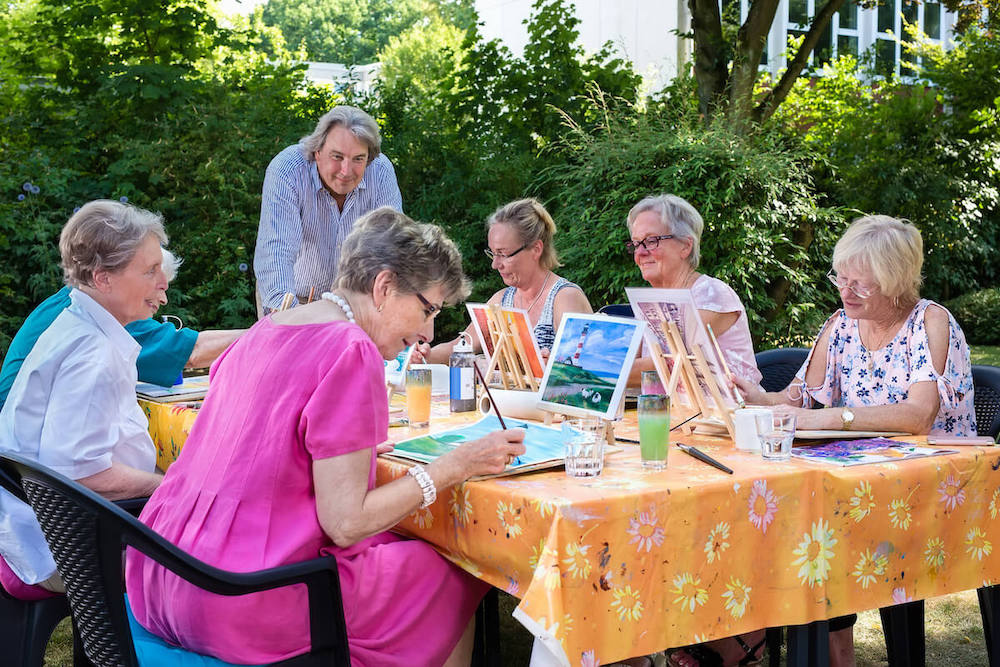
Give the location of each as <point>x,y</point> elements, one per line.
<point>856,376</point>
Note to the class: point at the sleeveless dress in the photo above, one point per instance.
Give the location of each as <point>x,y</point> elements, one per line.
<point>856,376</point>
<point>545,332</point>
<point>241,497</point>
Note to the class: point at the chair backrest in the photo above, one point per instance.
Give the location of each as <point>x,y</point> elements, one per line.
<point>779,366</point>
<point>986,396</point>
<point>86,533</point>
<point>617,310</point>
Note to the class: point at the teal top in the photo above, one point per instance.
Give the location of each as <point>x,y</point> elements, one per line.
<point>165,349</point>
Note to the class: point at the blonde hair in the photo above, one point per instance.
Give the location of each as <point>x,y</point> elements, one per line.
<point>679,218</point>
<point>104,235</point>
<point>420,255</point>
<point>889,248</point>
<point>533,223</point>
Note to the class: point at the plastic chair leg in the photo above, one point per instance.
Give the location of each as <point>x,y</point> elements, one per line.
<point>809,645</point>
<point>486,652</point>
<point>25,628</point>
<point>903,627</point>
<point>989,607</point>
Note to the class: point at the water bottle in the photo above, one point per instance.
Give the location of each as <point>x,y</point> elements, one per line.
<point>462,375</point>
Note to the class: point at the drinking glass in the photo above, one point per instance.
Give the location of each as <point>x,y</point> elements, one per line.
<point>418,396</point>
<point>650,384</point>
<point>654,430</point>
<point>584,443</point>
<point>776,442</point>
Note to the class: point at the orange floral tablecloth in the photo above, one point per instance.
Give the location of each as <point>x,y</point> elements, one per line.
<point>633,561</point>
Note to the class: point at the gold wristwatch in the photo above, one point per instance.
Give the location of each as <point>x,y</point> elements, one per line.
<point>846,418</point>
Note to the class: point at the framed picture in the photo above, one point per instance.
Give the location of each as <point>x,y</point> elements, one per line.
<point>520,327</point>
<point>655,306</point>
<point>589,364</point>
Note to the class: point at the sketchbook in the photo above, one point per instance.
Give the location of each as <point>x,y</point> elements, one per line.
<point>867,450</point>
<point>192,389</point>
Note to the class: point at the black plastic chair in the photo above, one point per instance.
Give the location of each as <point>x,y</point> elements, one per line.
<point>779,366</point>
<point>86,534</point>
<point>617,310</point>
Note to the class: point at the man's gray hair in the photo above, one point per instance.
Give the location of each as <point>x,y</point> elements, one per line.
<point>420,256</point>
<point>104,235</point>
<point>356,121</point>
<point>678,217</point>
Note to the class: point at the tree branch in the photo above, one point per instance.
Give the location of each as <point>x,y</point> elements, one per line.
<point>749,47</point>
<point>778,94</point>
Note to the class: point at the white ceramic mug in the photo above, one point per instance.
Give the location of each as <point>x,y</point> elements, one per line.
<point>749,424</point>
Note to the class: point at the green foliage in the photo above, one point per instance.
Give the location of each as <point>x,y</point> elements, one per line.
<point>978,313</point>
<point>754,193</point>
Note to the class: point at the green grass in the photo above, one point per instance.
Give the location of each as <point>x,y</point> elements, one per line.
<point>985,354</point>
<point>954,632</point>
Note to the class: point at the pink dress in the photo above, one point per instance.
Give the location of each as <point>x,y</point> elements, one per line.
<point>241,497</point>
<point>712,294</point>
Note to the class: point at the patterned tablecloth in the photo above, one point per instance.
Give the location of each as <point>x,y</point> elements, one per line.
<point>633,561</point>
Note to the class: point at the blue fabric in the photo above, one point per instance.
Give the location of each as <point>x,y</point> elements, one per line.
<point>155,652</point>
<point>165,349</point>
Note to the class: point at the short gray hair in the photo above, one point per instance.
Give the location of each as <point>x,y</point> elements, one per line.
<point>420,256</point>
<point>104,235</point>
<point>171,263</point>
<point>890,248</point>
<point>533,223</point>
<point>678,216</point>
<point>360,124</point>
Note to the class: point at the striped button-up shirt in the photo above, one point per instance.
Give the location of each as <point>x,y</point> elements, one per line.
<point>301,226</point>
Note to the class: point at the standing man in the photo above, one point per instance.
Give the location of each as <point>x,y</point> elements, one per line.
<point>314,191</point>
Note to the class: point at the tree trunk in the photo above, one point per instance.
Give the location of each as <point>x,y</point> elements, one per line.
<point>746,56</point>
<point>710,57</point>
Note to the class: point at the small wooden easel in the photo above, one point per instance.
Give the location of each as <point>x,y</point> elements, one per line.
<point>692,369</point>
<point>509,356</point>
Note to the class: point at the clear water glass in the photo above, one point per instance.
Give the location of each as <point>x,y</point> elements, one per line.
<point>584,443</point>
<point>776,441</point>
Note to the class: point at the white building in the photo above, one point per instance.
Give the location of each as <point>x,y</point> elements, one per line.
<point>360,77</point>
<point>645,31</point>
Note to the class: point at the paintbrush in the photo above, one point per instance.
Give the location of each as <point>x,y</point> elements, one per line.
<point>496,408</point>
<point>725,367</point>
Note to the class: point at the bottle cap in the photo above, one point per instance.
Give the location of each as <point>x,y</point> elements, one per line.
<point>464,343</point>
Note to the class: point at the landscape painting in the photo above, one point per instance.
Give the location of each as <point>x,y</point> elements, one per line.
<point>589,364</point>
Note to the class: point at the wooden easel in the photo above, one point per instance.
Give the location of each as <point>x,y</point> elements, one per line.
<point>509,358</point>
<point>686,367</point>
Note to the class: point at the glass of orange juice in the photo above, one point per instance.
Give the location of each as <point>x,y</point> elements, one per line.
<point>418,396</point>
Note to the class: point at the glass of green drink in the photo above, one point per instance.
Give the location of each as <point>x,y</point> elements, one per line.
<point>654,430</point>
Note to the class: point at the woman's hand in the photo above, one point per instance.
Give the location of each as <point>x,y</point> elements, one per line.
<point>490,454</point>
<point>752,393</point>
<point>420,353</point>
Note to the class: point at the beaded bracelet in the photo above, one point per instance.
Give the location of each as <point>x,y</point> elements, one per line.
<point>419,473</point>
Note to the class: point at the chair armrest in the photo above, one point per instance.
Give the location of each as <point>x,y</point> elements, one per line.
<point>133,505</point>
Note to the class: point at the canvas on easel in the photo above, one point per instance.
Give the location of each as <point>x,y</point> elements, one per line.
<point>507,338</point>
<point>683,353</point>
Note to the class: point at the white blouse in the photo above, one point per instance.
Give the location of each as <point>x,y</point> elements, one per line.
<point>73,409</point>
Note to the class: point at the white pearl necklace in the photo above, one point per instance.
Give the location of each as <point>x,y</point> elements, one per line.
<point>341,302</point>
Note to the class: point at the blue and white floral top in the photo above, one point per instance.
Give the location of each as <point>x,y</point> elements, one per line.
<point>856,376</point>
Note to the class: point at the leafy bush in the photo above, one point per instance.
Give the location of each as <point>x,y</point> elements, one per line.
<point>978,313</point>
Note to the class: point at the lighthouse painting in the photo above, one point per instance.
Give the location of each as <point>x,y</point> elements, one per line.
<point>589,364</point>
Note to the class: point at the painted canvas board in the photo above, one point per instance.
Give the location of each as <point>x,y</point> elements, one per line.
<point>543,444</point>
<point>866,450</point>
<point>477,313</point>
<point>655,306</point>
<point>520,326</point>
<point>589,364</point>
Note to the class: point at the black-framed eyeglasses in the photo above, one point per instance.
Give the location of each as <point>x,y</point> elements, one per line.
<point>430,310</point>
<point>501,256</point>
<point>649,243</point>
<point>860,291</point>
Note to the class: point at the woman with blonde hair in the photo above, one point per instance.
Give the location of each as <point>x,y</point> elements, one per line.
<point>520,237</point>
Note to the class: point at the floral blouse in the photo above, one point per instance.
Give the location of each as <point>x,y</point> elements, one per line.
<point>856,376</point>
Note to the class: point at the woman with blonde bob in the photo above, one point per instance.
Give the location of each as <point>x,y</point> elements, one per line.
<point>520,236</point>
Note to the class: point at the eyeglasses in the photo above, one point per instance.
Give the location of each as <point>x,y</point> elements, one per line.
<point>501,256</point>
<point>649,243</point>
<point>430,310</point>
<point>860,291</point>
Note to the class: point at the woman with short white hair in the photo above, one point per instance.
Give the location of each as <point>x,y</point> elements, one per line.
<point>72,405</point>
<point>888,360</point>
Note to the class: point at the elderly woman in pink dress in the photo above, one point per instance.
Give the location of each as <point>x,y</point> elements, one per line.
<point>280,467</point>
<point>665,235</point>
<point>887,361</point>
